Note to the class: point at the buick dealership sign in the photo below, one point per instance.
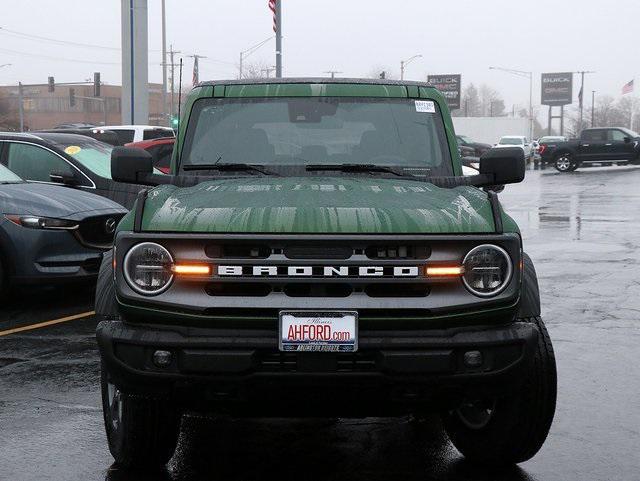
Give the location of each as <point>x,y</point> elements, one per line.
<point>449,86</point>
<point>557,88</point>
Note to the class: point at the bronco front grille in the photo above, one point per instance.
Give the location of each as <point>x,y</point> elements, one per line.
<point>273,361</point>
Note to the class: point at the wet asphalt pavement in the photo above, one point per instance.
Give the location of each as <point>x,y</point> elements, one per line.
<point>582,231</point>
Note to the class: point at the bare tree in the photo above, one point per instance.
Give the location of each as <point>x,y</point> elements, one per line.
<point>470,105</point>
<point>491,103</point>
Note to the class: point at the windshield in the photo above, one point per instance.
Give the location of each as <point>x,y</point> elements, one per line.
<point>319,130</point>
<point>510,141</point>
<point>7,176</point>
<point>94,155</point>
<point>630,133</point>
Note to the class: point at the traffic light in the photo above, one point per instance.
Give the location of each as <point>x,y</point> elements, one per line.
<point>52,84</point>
<point>174,121</point>
<point>72,97</point>
<point>96,84</point>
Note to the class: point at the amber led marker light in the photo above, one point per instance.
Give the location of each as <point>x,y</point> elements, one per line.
<point>444,271</point>
<point>191,269</point>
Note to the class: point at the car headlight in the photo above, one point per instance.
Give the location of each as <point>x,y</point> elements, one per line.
<point>147,268</point>
<point>36,222</point>
<point>487,270</point>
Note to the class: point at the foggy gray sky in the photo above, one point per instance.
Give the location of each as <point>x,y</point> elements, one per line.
<point>352,36</point>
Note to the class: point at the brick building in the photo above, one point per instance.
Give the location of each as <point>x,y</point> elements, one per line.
<point>44,109</point>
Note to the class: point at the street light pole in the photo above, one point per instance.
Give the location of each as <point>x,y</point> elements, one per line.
<point>245,53</point>
<point>593,107</point>
<point>164,63</point>
<point>525,74</point>
<point>404,63</point>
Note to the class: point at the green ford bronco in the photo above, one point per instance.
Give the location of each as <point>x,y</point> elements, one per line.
<point>317,251</point>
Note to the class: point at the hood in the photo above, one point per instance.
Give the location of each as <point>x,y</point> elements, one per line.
<point>317,205</point>
<point>53,201</point>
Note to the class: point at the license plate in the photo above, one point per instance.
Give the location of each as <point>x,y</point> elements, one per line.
<point>324,331</point>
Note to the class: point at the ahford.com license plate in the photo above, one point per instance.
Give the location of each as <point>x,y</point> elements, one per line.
<point>318,331</point>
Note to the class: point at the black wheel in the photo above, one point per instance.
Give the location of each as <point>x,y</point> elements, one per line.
<point>510,429</point>
<point>565,163</point>
<point>142,431</point>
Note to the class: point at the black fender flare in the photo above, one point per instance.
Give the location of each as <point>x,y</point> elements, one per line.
<point>106,304</point>
<point>529,305</point>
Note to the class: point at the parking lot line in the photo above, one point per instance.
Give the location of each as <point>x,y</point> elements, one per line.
<point>46,323</point>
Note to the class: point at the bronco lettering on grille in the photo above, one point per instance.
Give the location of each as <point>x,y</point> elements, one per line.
<point>318,271</point>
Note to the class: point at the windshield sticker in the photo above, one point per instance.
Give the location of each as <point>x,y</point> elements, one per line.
<point>426,106</point>
<point>72,150</point>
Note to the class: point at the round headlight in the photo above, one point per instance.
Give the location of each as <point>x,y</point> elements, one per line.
<point>487,270</point>
<point>147,268</point>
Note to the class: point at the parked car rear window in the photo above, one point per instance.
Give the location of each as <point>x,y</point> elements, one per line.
<point>125,135</point>
<point>510,141</point>
<point>157,133</point>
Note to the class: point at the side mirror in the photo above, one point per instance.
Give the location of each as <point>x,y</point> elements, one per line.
<point>504,166</point>
<point>627,140</point>
<point>63,178</point>
<point>131,165</point>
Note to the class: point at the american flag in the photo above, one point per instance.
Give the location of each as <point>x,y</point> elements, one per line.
<point>196,73</point>
<point>628,88</point>
<point>272,7</point>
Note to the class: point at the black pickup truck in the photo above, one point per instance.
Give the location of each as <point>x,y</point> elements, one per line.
<point>611,145</point>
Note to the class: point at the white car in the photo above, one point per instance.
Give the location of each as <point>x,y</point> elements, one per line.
<point>136,133</point>
<point>516,141</point>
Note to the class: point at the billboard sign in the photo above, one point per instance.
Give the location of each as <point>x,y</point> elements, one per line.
<point>449,86</point>
<point>557,88</point>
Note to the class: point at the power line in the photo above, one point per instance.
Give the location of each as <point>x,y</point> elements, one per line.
<point>53,40</point>
<point>15,33</point>
<point>50,57</point>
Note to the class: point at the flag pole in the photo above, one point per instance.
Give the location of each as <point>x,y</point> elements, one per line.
<point>279,38</point>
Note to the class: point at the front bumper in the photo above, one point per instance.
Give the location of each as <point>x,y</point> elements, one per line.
<point>242,371</point>
<point>35,255</point>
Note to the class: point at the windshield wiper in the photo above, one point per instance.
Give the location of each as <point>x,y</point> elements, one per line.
<point>225,167</point>
<point>356,168</point>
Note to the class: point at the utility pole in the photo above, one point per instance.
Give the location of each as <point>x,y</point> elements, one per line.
<point>267,71</point>
<point>164,63</point>
<point>21,106</point>
<point>582,73</point>
<point>528,75</point>
<point>333,73</point>
<point>196,69</point>
<point>172,65</point>
<point>593,107</point>
<point>279,38</point>
<point>404,63</point>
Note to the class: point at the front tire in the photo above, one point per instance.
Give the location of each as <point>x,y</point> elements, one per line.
<point>565,163</point>
<point>510,429</point>
<point>142,431</point>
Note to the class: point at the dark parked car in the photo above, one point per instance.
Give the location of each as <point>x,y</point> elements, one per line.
<point>75,125</point>
<point>73,160</point>
<point>106,136</point>
<point>611,145</point>
<point>478,147</point>
<point>49,233</point>
<point>160,149</point>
